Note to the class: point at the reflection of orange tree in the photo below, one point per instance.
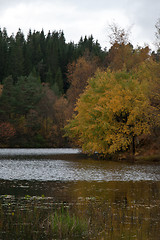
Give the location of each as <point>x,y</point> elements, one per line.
<point>7,131</point>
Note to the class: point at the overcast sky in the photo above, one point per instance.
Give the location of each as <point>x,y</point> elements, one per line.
<point>83,17</point>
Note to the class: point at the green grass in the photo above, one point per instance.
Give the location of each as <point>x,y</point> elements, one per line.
<point>64,225</point>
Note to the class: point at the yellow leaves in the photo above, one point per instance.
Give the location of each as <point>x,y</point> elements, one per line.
<point>113,108</point>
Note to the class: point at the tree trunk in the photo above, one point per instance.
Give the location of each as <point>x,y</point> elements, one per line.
<point>133,145</point>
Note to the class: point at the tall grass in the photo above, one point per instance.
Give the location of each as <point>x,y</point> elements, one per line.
<point>63,224</point>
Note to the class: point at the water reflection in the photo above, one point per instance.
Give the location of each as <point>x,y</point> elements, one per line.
<point>117,200</point>
<point>115,210</point>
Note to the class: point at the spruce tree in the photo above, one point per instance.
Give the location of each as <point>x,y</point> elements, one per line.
<point>59,80</point>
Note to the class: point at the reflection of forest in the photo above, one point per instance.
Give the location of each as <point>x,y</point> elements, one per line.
<point>115,210</point>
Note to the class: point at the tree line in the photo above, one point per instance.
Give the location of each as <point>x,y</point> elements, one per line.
<point>42,78</point>
<point>46,55</point>
<point>33,79</point>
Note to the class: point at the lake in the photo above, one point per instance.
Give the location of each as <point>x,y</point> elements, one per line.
<point>114,200</point>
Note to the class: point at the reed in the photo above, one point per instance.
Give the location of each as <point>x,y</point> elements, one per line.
<point>63,224</point>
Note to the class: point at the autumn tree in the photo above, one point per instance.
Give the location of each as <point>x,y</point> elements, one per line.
<point>113,110</point>
<point>150,70</point>
<point>7,131</point>
<point>78,73</point>
<point>62,113</point>
<point>118,34</point>
<point>122,54</point>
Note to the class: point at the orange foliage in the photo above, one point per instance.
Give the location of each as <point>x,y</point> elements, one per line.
<point>78,74</point>
<point>7,131</point>
<point>123,55</point>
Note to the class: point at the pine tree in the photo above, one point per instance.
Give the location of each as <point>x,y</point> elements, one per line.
<point>3,54</point>
<point>7,99</point>
<point>59,80</point>
<point>49,78</point>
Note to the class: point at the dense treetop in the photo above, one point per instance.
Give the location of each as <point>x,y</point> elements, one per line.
<point>113,110</point>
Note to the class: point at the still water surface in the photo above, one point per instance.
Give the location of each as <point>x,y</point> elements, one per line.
<point>120,200</point>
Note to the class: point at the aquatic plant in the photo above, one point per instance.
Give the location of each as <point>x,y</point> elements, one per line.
<point>64,224</point>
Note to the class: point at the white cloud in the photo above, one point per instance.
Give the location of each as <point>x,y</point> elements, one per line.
<point>80,18</point>
<point>29,15</point>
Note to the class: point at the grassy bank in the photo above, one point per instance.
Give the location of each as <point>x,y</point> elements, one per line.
<point>150,158</point>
